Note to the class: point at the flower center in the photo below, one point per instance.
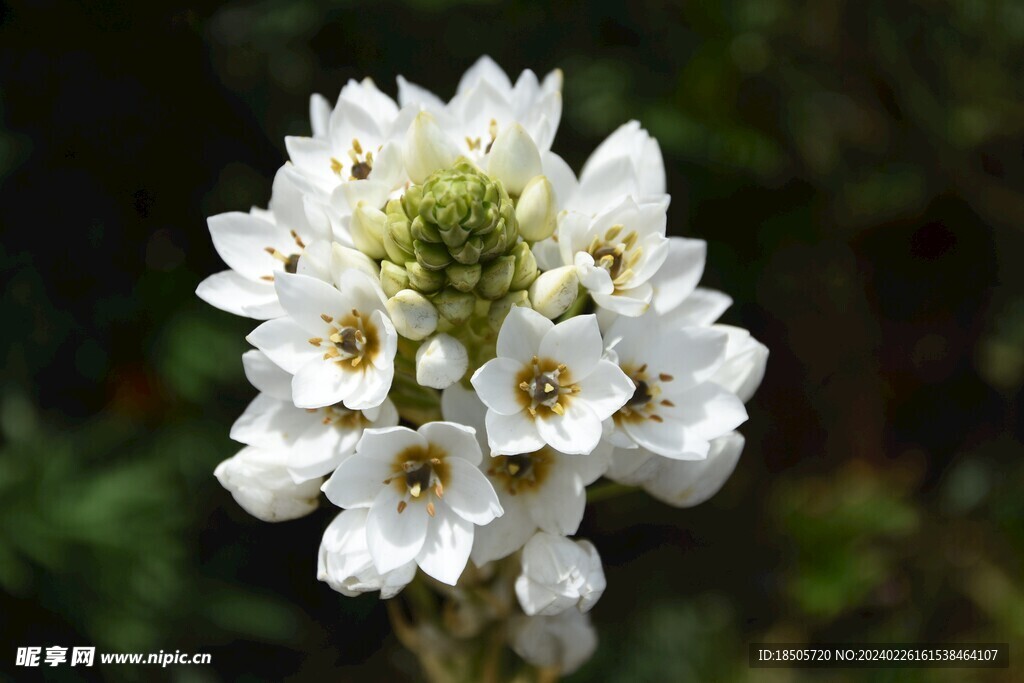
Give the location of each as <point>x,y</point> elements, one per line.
<point>518,473</point>
<point>546,387</point>
<point>361,163</point>
<point>643,403</point>
<point>349,340</point>
<point>420,475</point>
<point>290,261</point>
<point>617,254</point>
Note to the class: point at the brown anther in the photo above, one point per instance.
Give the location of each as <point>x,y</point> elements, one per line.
<point>643,369</point>
<point>439,490</point>
<point>401,506</point>
<point>656,418</point>
<point>535,360</point>
<point>667,403</point>
<point>435,461</point>
<point>361,170</point>
<point>524,386</point>
<point>268,278</point>
<point>327,420</point>
<point>665,377</point>
<point>326,318</point>
<point>298,240</point>
<point>430,508</point>
<point>356,146</point>
<point>355,313</point>
<point>315,341</point>
<point>561,367</point>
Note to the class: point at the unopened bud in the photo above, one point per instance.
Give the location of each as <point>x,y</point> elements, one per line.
<point>496,278</point>
<point>393,278</point>
<point>367,228</point>
<point>463,277</point>
<point>441,361</point>
<point>427,148</point>
<point>526,267</point>
<point>536,211</point>
<point>423,280</point>
<point>500,308</point>
<point>413,315</point>
<point>454,306</point>
<point>514,159</point>
<point>554,292</point>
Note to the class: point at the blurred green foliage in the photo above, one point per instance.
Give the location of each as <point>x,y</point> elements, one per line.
<point>857,169</point>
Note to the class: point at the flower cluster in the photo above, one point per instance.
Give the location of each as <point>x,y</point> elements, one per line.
<point>459,335</point>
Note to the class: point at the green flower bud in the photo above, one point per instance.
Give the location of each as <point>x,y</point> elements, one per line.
<point>413,316</point>
<point>501,307</point>
<point>422,279</point>
<point>468,253</point>
<point>367,228</point>
<point>526,267</point>
<point>398,241</point>
<point>454,306</point>
<point>431,256</point>
<point>462,277</point>
<point>496,278</point>
<point>536,211</point>
<point>425,232</point>
<point>393,278</point>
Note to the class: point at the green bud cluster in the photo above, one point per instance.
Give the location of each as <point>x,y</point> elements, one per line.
<point>455,239</point>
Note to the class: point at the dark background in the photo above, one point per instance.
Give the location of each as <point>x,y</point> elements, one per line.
<point>856,167</point>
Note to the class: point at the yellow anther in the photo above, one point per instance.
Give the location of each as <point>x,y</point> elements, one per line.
<point>326,318</point>
<point>558,409</point>
<point>415,490</point>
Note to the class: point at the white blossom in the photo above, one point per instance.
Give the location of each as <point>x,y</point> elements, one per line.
<point>259,481</point>
<point>548,385</point>
<point>338,344</point>
<point>257,246</point>
<point>557,574</point>
<point>424,492</point>
<point>344,561</point>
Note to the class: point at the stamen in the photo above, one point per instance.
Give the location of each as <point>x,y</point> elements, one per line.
<point>558,409</point>
<point>326,318</point>
<point>336,166</point>
<point>315,341</point>
<point>656,418</point>
<point>356,146</point>
<point>401,506</point>
<point>430,508</point>
<point>665,377</point>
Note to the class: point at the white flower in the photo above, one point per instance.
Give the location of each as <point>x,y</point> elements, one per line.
<point>313,441</point>
<point>676,408</point>
<point>486,103</point>
<point>676,295</point>
<point>543,490</point>
<point>616,253</point>
<point>353,154</point>
<point>680,483</point>
<point>564,641</point>
<point>344,561</point>
<point>627,164</point>
<point>339,345</point>
<point>548,385</point>
<point>257,246</point>
<point>557,574</point>
<point>744,365</point>
<point>258,480</point>
<point>424,494</point>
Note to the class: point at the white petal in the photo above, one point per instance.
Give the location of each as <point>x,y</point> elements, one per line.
<point>384,443</point>
<point>521,334</point>
<point>496,385</point>
<point>680,273</point>
<point>394,537</point>
<point>668,438</point>
<point>320,449</point>
<point>484,69</point>
<point>285,343</point>
<point>578,431</point>
<point>269,422</point>
<point>441,361</point>
<point>319,114</point>
<point>307,298</point>
<point>357,482</point>
<point>462,405</point>
<point>575,342</point>
<point>322,383</point>
<point>511,434</point>
<point>606,389</point>
<point>469,494</point>
<point>446,550</point>
<point>412,94</point>
<point>456,440</point>
<point>232,292</point>
<point>688,483</point>
<point>745,360</point>
<point>241,240</point>
<point>266,376</point>
<point>558,506</point>
<point>562,179</point>
<point>703,307</point>
<point>505,534</point>
<point>709,411</point>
